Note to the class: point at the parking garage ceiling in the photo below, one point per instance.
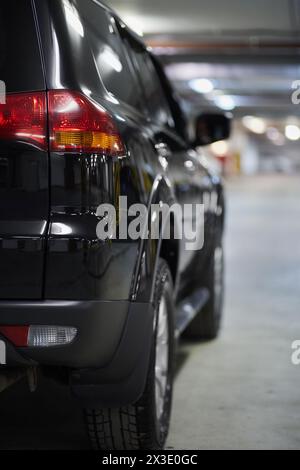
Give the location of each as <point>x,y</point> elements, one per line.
<point>252,56</point>
<point>212,18</point>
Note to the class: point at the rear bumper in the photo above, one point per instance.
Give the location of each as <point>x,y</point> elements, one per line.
<point>109,357</point>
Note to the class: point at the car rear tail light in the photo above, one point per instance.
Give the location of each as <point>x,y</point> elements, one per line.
<point>18,335</point>
<point>78,124</point>
<point>39,335</point>
<point>23,118</point>
<point>44,336</point>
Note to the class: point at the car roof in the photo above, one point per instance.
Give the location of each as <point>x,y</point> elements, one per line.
<point>122,23</point>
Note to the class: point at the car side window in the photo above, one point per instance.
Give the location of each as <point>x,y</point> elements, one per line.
<point>156,102</point>
<point>109,53</point>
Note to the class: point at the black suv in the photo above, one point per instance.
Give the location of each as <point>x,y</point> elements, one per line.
<point>89,116</point>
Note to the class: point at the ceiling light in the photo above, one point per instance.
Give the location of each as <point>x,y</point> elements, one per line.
<point>254,124</point>
<point>220,148</point>
<point>272,133</point>
<point>201,85</point>
<point>292,132</point>
<point>275,136</point>
<point>225,102</point>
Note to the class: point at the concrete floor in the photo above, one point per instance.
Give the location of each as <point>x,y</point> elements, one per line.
<point>239,392</point>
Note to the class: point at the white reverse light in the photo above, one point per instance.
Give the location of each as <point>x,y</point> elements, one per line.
<point>45,336</point>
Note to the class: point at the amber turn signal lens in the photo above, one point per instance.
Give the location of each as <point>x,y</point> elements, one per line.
<point>78,124</point>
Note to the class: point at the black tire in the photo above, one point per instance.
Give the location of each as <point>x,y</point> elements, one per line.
<point>137,426</point>
<point>206,324</point>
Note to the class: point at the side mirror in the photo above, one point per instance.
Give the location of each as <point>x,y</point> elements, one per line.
<point>211,127</point>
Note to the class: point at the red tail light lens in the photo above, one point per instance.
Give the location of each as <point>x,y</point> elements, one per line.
<point>78,124</point>
<point>18,335</point>
<point>23,118</point>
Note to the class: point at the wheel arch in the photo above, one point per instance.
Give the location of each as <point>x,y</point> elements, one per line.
<point>151,250</point>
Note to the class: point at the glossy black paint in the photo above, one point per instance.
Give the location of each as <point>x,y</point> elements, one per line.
<point>24,176</point>
<point>24,212</point>
<point>58,256</point>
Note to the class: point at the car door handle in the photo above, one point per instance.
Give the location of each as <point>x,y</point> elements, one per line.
<point>163,150</point>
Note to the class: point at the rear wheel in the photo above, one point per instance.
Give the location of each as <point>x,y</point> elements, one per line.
<point>206,324</point>
<point>145,424</point>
